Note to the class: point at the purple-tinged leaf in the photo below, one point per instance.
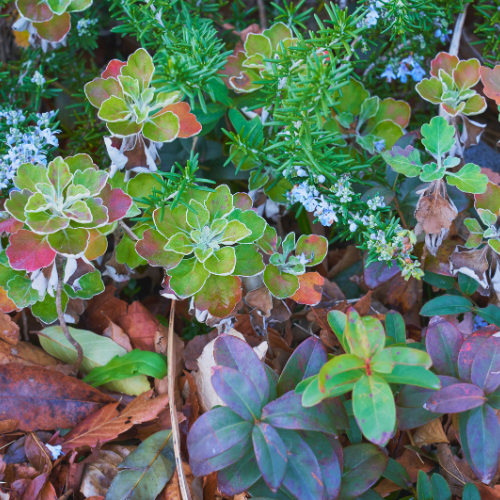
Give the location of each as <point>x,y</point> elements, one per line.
<point>237,391</point>
<point>225,459</point>
<point>237,354</point>
<point>455,398</point>
<point>287,412</point>
<point>410,401</point>
<point>215,432</point>
<point>272,378</point>
<point>260,491</point>
<point>469,350</point>
<point>486,365</point>
<point>443,341</point>
<point>364,464</point>
<point>339,414</point>
<point>239,476</point>
<point>483,437</point>
<point>330,457</point>
<point>271,454</point>
<point>303,476</point>
<point>305,362</point>
<point>378,273</point>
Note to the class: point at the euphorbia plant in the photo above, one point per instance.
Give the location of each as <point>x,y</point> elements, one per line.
<point>64,210</point>
<point>367,369</point>
<point>285,275</point>
<point>375,124</point>
<point>136,113</point>
<point>204,246</point>
<point>451,85</point>
<point>264,441</point>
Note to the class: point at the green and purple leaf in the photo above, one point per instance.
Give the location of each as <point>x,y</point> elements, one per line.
<point>455,399</point>
<point>485,371</point>
<point>443,341</point>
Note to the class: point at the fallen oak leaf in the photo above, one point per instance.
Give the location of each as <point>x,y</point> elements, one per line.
<point>44,399</point>
<point>106,424</point>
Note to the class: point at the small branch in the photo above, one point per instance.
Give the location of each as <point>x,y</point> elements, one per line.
<point>129,231</point>
<point>25,326</point>
<point>457,33</point>
<point>66,495</point>
<point>60,314</point>
<point>262,14</point>
<point>185,492</point>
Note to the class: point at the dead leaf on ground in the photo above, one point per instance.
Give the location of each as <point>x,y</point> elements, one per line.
<point>363,305</point>
<point>116,334</point>
<point>8,426</point>
<point>99,474</point>
<point>473,263</point>
<point>385,487</point>
<point>106,423</point>
<point>191,408</point>
<point>140,325</point>
<point>104,308</point>
<point>44,399</point>
<point>430,433</point>
<point>331,291</point>
<point>26,354</point>
<point>39,488</point>
<point>37,453</point>
<point>9,331</point>
<point>412,463</point>
<point>435,212</point>
<point>401,295</point>
<point>195,484</point>
<point>261,299</point>
<point>351,255</point>
<point>195,347</point>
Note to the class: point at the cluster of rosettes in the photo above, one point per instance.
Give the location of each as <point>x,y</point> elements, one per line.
<point>403,68</point>
<point>398,248</point>
<point>25,144</point>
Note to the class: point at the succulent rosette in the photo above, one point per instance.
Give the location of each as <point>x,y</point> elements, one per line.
<point>65,209</point>
<point>50,18</point>
<point>375,124</point>
<point>285,275</point>
<point>205,246</point>
<point>136,113</point>
<point>246,67</point>
<point>451,85</point>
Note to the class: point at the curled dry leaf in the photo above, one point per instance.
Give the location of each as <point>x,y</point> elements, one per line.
<point>195,484</point>
<point>261,299</point>
<point>39,488</point>
<point>99,474</point>
<point>9,331</point>
<point>27,354</point>
<point>435,212</point>
<point>473,263</point>
<point>430,433</point>
<point>106,424</point>
<point>116,334</point>
<point>37,453</point>
<point>140,325</point>
<point>44,399</point>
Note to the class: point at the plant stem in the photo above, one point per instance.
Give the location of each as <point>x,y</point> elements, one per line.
<point>185,492</point>
<point>128,231</point>
<point>262,14</point>
<point>25,326</point>
<point>457,32</point>
<point>60,315</point>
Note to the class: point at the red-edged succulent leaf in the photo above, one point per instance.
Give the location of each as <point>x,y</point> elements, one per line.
<point>242,201</point>
<point>162,127</point>
<point>233,67</point>
<point>6,304</point>
<point>235,353</point>
<point>466,74</point>
<point>99,89</point>
<point>219,295</point>
<point>237,391</point>
<point>152,248</point>
<point>216,432</point>
<point>282,285</point>
<point>455,398</point>
<point>443,341</point>
<point>483,438</point>
<point>490,199</point>
<point>34,10</point>
<point>306,361</point>
<point>491,82</point>
<point>98,244</point>
<point>113,69</point>
<point>10,225</point>
<point>475,105</point>
<point>430,89</point>
<point>287,412</point>
<point>188,124</point>
<point>469,349</point>
<point>271,454</point>
<point>29,251</point>
<point>397,111</point>
<point>116,201</point>
<point>55,29</point>
<point>444,61</point>
<point>486,365</point>
<point>313,247</point>
<point>310,289</point>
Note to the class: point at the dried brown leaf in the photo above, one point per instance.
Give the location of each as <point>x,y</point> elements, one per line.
<point>9,331</point>
<point>8,426</point>
<point>104,308</point>
<point>261,299</point>
<point>363,305</point>
<point>24,353</point>
<point>140,325</point>
<point>116,334</point>
<point>473,263</point>
<point>172,490</point>
<point>106,424</point>
<point>37,453</point>
<point>195,347</point>
<point>33,489</point>
<point>430,433</point>
<point>351,255</point>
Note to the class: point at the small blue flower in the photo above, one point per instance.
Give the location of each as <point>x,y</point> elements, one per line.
<point>388,73</point>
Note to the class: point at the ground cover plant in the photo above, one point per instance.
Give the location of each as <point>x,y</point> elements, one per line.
<point>249,249</point>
